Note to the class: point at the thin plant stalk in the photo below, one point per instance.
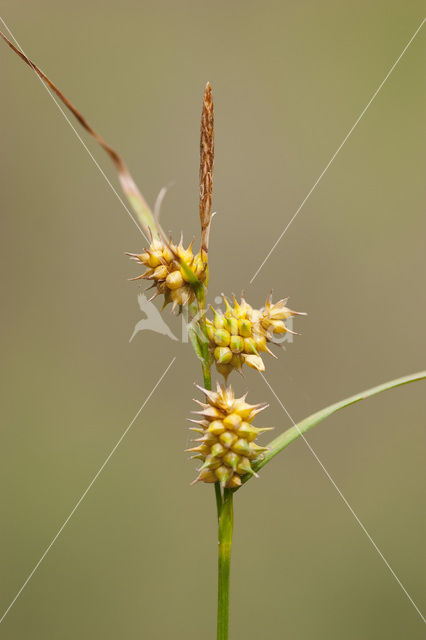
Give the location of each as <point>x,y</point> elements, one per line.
<point>219,499</point>
<point>224,503</point>
<point>226,525</point>
<point>203,339</point>
<point>223,500</point>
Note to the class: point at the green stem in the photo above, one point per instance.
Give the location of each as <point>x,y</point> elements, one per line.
<point>226,522</point>
<point>223,502</point>
<point>203,339</point>
<point>207,376</point>
<point>219,499</point>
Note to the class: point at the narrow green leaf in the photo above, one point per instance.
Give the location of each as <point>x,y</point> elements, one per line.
<point>192,333</point>
<point>283,440</point>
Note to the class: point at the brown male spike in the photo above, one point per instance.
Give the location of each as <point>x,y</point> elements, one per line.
<point>206,165</point>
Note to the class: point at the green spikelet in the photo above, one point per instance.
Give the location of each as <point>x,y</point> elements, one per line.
<point>227,446</point>
<point>165,272</point>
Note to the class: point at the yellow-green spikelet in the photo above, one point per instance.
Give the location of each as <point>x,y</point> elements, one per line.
<point>241,333</point>
<point>226,444</point>
<point>166,273</point>
<point>233,339</point>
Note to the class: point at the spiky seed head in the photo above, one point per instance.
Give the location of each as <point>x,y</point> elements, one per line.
<point>245,332</point>
<point>164,270</point>
<point>227,445</point>
<point>232,330</point>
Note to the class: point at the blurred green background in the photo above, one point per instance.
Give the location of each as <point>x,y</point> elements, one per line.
<point>138,558</point>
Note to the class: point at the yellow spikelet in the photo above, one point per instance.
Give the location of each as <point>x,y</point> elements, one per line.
<point>272,317</point>
<point>240,334</point>
<point>164,270</point>
<point>227,444</point>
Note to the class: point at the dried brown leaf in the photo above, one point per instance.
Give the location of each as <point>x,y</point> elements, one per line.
<point>129,186</point>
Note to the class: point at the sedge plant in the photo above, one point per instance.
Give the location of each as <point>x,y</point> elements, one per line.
<point>226,445</point>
